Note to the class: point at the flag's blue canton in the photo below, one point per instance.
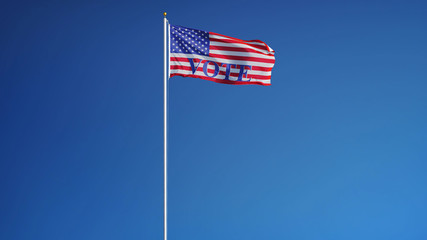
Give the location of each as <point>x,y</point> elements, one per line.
<point>188,40</point>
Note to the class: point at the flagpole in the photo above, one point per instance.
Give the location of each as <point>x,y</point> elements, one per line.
<point>165,125</point>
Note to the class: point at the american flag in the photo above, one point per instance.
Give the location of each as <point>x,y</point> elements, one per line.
<point>219,58</point>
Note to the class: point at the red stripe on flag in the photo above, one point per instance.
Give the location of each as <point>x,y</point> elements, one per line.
<point>240,40</point>
<point>221,81</point>
<point>237,49</point>
<point>222,73</point>
<point>264,69</point>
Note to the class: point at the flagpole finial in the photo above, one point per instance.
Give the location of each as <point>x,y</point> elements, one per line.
<point>164,14</point>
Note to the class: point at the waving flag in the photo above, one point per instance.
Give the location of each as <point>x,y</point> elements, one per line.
<point>215,57</point>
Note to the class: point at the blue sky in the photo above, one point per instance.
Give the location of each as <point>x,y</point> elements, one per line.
<point>335,148</point>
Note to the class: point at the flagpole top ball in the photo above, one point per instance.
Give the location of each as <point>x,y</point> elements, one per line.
<point>164,14</point>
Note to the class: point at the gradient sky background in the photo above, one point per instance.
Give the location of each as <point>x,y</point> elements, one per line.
<point>336,148</point>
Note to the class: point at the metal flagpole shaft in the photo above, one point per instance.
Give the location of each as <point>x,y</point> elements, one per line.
<point>165,82</point>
